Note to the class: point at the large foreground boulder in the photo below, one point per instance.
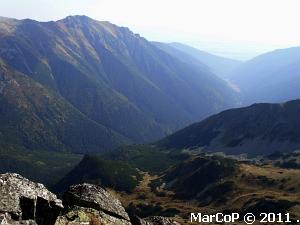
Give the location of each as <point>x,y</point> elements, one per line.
<point>23,201</point>
<point>91,204</point>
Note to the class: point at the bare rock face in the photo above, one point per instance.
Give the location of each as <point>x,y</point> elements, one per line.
<point>90,204</point>
<point>25,202</point>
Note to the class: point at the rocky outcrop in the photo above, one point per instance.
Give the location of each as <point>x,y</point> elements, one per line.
<point>91,204</point>
<point>5,219</point>
<point>26,201</point>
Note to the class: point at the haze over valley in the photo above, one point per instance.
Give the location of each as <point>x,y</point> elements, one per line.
<point>139,123</point>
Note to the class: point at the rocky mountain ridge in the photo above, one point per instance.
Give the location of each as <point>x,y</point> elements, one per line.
<point>116,79</point>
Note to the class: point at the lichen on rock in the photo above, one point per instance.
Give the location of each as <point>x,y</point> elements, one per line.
<point>91,204</point>
<point>24,200</point>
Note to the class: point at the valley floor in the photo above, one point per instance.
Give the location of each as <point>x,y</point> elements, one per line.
<point>253,184</point>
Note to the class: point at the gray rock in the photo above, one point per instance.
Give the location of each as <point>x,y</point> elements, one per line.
<point>153,220</point>
<point>158,220</point>
<point>81,216</point>
<point>5,219</point>
<point>23,200</point>
<point>88,203</point>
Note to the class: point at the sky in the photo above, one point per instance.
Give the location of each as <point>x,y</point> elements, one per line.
<point>234,28</point>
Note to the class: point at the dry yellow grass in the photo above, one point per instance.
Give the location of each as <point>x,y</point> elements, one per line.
<point>248,185</point>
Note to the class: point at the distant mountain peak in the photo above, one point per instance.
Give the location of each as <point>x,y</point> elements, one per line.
<point>117,80</point>
<point>270,77</point>
<point>219,65</point>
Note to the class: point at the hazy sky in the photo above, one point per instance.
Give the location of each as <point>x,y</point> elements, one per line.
<point>244,27</point>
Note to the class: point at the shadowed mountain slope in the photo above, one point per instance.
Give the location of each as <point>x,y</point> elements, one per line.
<point>35,118</point>
<point>257,129</point>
